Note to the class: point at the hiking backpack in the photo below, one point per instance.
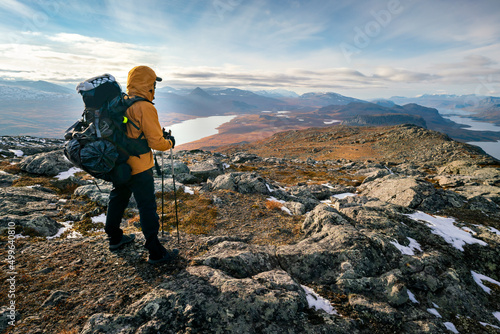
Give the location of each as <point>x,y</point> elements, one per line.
<point>98,143</point>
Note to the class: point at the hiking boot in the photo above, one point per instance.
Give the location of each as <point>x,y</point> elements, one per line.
<point>167,257</point>
<point>125,240</point>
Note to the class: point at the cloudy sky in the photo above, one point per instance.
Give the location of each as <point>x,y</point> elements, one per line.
<point>364,49</point>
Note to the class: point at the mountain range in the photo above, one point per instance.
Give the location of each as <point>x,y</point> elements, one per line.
<point>45,109</point>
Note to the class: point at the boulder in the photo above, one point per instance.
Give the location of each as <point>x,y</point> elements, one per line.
<point>29,207</point>
<point>411,192</point>
<point>49,164</point>
<point>6,179</point>
<point>207,169</point>
<point>206,300</point>
<point>245,183</point>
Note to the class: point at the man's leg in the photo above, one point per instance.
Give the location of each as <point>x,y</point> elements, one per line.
<point>118,202</point>
<point>144,194</point>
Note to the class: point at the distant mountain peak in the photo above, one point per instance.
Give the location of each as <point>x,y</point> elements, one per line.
<point>200,93</point>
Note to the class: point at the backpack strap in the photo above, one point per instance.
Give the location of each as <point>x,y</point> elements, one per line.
<point>130,102</point>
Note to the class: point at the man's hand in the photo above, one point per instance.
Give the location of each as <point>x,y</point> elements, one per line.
<point>168,136</point>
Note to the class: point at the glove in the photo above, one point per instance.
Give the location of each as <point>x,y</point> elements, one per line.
<point>168,136</point>
<point>172,139</point>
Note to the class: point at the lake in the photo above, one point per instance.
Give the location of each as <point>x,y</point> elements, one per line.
<point>492,148</point>
<point>198,128</point>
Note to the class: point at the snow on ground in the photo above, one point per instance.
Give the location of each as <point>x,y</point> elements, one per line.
<point>487,324</point>
<point>412,297</point>
<point>494,230</point>
<point>445,228</point>
<point>450,326</point>
<point>188,190</point>
<point>99,219</point>
<point>479,278</point>
<point>331,122</point>
<point>410,249</point>
<point>18,153</point>
<point>344,195</point>
<point>67,174</point>
<point>66,226</point>
<point>317,302</point>
<point>497,315</point>
<point>434,311</point>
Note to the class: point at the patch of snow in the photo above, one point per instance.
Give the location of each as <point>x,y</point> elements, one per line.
<point>66,226</point>
<point>18,153</point>
<point>275,199</point>
<point>317,302</point>
<point>410,249</point>
<point>225,165</point>
<point>487,324</point>
<point>412,297</point>
<point>344,195</point>
<point>20,236</point>
<point>479,278</point>
<point>67,174</point>
<point>287,210</point>
<point>269,188</point>
<point>434,311</point>
<point>300,119</point>
<point>390,171</point>
<point>188,190</point>
<point>99,219</point>
<point>34,186</point>
<point>435,305</point>
<point>494,230</point>
<point>450,326</point>
<point>283,112</point>
<point>444,227</point>
<point>267,111</point>
<point>497,315</point>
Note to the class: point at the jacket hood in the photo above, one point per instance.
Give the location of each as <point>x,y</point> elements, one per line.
<point>141,82</point>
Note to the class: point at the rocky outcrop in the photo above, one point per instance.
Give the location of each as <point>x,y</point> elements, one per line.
<point>30,208</point>
<point>50,163</point>
<point>378,248</point>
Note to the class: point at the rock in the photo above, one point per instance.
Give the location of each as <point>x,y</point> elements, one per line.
<point>239,259</point>
<point>29,207</point>
<point>241,157</point>
<point>98,194</point>
<point>7,179</point>
<point>179,167</point>
<point>210,168</point>
<point>411,192</point>
<point>245,183</point>
<point>206,300</point>
<point>315,191</point>
<point>296,208</point>
<point>56,297</point>
<point>49,164</point>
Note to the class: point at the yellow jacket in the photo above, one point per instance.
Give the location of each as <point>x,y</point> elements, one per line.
<point>141,82</point>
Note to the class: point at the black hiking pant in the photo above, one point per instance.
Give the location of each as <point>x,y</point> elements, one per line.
<point>142,186</point>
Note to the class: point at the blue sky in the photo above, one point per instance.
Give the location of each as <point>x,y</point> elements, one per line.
<point>365,49</point>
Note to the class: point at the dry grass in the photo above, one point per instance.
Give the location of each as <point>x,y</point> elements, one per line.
<point>196,213</point>
<point>273,205</point>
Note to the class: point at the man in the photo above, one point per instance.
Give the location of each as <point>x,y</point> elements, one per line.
<point>141,82</point>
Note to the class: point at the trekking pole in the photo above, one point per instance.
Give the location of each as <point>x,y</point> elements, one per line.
<point>162,196</point>
<point>175,194</point>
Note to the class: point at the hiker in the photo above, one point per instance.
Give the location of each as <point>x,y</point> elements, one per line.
<point>141,82</point>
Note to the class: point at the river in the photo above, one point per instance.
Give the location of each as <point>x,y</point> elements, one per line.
<point>492,148</point>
